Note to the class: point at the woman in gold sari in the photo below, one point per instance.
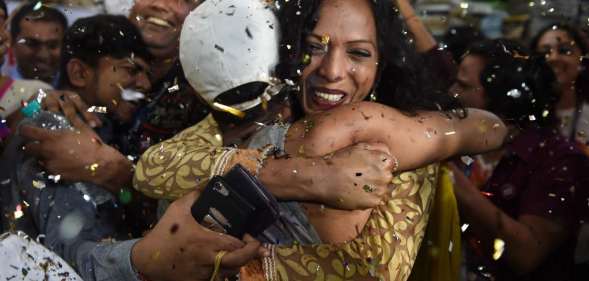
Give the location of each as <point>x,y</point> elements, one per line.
<point>346,48</point>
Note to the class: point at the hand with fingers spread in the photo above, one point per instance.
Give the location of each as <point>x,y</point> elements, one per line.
<point>61,101</point>
<point>79,154</point>
<point>178,248</point>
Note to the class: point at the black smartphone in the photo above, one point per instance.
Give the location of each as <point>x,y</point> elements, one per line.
<point>235,204</point>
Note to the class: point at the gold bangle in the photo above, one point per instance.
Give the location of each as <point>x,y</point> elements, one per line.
<point>218,259</point>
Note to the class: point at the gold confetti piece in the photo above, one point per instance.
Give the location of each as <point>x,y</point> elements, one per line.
<point>93,168</point>
<point>325,39</point>
<point>450,133</point>
<point>302,150</point>
<point>464,227</point>
<point>229,109</point>
<point>499,247</point>
<point>38,184</point>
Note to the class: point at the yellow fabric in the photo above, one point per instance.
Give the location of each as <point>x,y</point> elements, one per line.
<point>440,255</point>
<point>386,247</point>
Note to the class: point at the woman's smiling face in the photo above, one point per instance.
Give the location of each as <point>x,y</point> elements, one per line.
<point>344,56</point>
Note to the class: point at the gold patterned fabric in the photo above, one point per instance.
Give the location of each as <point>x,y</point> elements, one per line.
<point>187,161</point>
<point>385,249</point>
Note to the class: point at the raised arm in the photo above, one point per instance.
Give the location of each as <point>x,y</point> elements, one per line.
<point>415,141</point>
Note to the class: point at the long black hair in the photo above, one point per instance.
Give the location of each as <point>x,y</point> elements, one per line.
<point>401,82</point>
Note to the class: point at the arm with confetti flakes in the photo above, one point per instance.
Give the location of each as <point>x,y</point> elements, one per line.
<point>427,137</point>
<point>187,161</point>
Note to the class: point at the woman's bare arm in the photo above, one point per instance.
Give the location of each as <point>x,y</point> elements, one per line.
<point>414,140</point>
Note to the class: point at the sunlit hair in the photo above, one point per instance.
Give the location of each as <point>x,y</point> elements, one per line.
<point>401,82</point>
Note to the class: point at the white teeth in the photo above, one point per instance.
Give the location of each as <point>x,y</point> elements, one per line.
<point>158,21</point>
<point>330,97</point>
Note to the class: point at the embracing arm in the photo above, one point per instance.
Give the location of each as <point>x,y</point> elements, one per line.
<point>414,140</point>
<point>186,162</point>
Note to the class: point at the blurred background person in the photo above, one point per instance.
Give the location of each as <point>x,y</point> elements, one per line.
<point>36,33</point>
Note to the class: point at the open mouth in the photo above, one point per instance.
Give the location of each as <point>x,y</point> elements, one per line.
<point>158,22</point>
<point>326,98</point>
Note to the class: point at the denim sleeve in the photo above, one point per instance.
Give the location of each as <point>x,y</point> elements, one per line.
<point>106,261</point>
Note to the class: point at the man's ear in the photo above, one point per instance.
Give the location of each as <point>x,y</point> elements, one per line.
<point>79,73</point>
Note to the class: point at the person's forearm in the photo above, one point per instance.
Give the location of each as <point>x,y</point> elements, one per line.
<point>424,41</point>
<point>290,179</point>
<point>106,261</point>
<point>114,171</point>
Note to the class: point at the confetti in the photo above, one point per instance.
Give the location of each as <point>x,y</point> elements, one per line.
<point>464,227</point>
<point>499,247</point>
<point>93,168</point>
<point>97,109</point>
<point>174,89</point>
<point>450,133</point>
<point>467,160</point>
<point>131,95</point>
<point>18,213</point>
<point>38,184</point>
<point>55,178</point>
<point>514,93</point>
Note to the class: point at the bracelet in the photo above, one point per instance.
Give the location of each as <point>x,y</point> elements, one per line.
<point>269,263</point>
<point>221,163</point>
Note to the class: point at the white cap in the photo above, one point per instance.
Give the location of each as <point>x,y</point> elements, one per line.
<point>118,7</point>
<point>228,43</point>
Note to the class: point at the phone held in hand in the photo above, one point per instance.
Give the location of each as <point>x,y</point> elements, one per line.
<point>236,204</point>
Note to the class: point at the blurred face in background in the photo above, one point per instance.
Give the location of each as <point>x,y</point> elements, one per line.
<point>37,49</point>
<point>562,53</point>
<point>468,88</point>
<point>160,23</point>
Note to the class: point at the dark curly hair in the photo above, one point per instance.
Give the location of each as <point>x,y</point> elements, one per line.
<point>402,81</point>
<point>520,88</point>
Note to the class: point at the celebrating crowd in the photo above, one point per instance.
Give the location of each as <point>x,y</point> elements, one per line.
<point>382,155</point>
